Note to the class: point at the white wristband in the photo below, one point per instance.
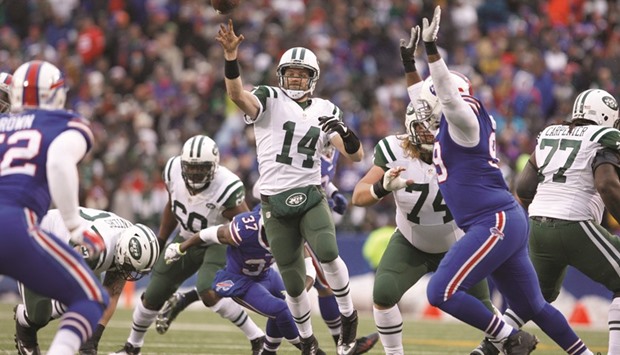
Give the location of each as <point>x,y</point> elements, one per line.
<point>209,235</point>
<point>310,270</point>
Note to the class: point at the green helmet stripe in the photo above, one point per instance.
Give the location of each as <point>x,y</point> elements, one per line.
<point>148,232</point>
<point>580,102</point>
<point>294,54</point>
<point>302,54</point>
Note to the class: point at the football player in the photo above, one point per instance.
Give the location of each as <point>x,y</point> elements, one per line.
<point>425,227</point>
<point>566,185</point>
<point>130,253</point>
<point>248,277</point>
<point>40,147</point>
<point>496,228</point>
<point>201,193</point>
<point>291,127</point>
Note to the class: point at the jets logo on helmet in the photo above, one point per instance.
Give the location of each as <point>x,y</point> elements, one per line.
<point>38,84</point>
<point>200,158</point>
<point>136,252</point>
<point>596,105</point>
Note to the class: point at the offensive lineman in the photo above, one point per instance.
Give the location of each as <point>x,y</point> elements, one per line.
<point>130,253</point>
<point>201,194</point>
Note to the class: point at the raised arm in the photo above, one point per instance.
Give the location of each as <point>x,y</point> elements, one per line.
<point>463,124</point>
<point>232,77</point>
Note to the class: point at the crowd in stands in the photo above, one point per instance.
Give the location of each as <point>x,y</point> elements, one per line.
<point>149,75</point>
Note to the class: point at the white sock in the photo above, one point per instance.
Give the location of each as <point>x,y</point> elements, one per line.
<point>614,326</point>
<point>337,276</point>
<point>142,320</point>
<point>389,323</point>
<point>300,309</point>
<point>65,342</point>
<point>58,309</point>
<point>229,309</point>
<point>512,319</point>
<point>20,314</point>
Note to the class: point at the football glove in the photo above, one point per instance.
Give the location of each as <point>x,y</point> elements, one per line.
<point>340,203</point>
<point>392,180</point>
<point>407,50</point>
<point>173,253</point>
<point>429,31</point>
<point>330,124</point>
<point>84,236</point>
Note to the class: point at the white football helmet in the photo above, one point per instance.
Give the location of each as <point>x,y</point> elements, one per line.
<point>596,105</point>
<point>136,252</point>
<point>427,106</point>
<point>298,57</point>
<point>199,161</point>
<point>5,82</point>
<point>38,84</point>
<point>424,136</point>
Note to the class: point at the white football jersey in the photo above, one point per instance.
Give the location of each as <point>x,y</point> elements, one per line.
<point>421,212</point>
<point>197,212</point>
<point>107,224</point>
<point>289,140</point>
<point>566,181</point>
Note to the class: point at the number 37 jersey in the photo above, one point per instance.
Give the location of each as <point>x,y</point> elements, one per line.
<point>566,180</point>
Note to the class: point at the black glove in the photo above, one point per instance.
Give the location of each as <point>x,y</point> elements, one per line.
<point>331,124</point>
<point>407,50</point>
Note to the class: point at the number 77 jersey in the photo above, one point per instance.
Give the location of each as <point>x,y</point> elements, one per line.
<point>565,178</point>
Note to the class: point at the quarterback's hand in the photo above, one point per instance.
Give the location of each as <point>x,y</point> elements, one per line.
<point>84,236</point>
<point>173,253</point>
<point>392,180</point>
<point>229,40</point>
<point>429,31</point>
<point>340,203</point>
<point>331,124</point>
<point>407,50</point>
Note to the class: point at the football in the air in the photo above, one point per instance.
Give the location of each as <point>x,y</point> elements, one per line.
<point>224,7</point>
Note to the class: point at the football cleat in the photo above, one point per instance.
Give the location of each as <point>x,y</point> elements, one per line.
<point>169,312</point>
<point>520,343</point>
<point>310,346</point>
<point>257,345</point>
<point>486,347</point>
<point>128,349</point>
<point>364,344</point>
<point>347,342</point>
<point>26,341</point>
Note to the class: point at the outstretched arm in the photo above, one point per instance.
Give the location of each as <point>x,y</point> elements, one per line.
<point>527,184</point>
<point>244,99</point>
<point>463,124</point>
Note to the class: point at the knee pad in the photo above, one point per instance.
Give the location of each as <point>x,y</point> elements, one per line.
<point>384,292</point>
<point>294,280</point>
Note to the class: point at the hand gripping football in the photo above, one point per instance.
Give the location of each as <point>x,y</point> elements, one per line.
<point>224,7</point>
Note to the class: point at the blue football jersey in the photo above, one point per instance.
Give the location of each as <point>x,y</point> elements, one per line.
<point>24,141</point>
<point>251,255</point>
<point>469,178</point>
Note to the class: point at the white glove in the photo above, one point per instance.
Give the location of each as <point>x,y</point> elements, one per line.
<point>392,180</point>
<point>87,238</point>
<point>429,32</point>
<point>173,253</point>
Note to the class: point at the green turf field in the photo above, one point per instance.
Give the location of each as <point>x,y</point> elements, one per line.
<point>204,332</point>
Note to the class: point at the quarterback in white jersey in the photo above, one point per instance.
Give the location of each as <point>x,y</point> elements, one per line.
<point>291,127</point>
<point>561,187</point>
<point>425,228</point>
<point>201,194</point>
<point>130,253</point>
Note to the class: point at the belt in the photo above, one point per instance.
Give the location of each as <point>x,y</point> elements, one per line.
<point>546,219</point>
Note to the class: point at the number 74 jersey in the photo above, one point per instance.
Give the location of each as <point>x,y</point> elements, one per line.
<point>565,178</point>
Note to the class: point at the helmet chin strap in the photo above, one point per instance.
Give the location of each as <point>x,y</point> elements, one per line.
<point>296,94</point>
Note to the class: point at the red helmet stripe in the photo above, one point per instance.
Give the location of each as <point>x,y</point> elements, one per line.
<point>31,86</point>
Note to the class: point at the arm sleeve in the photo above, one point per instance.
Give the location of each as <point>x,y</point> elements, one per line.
<point>63,156</point>
<point>463,124</point>
<point>414,91</point>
